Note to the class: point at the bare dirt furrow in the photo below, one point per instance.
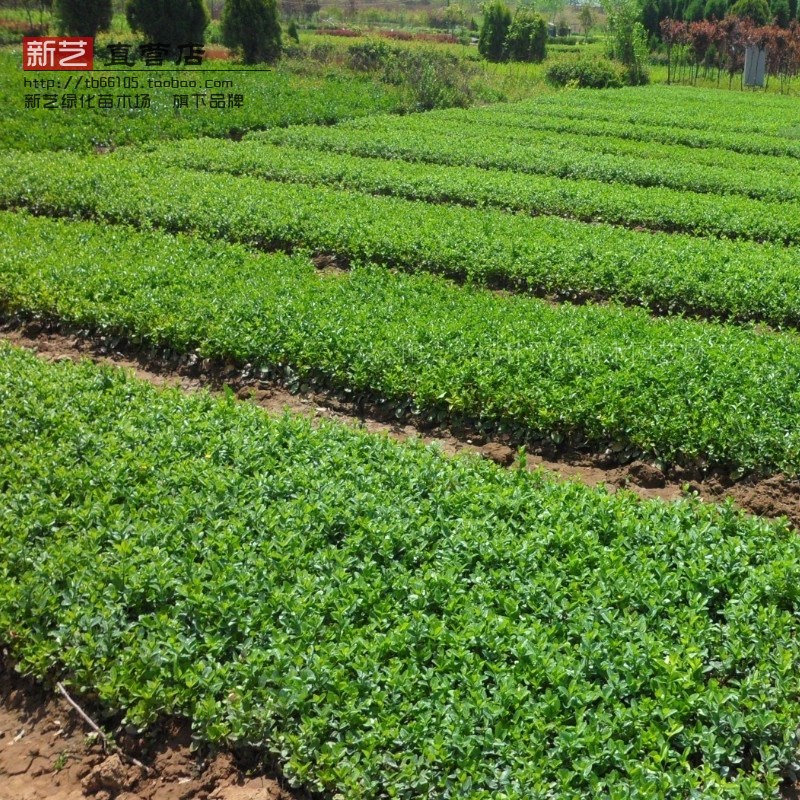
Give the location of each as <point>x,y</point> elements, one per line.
<point>772,496</point>
<point>47,752</point>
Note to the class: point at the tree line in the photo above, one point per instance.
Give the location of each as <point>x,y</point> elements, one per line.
<point>719,46</point>
<point>250,26</point>
<point>761,12</point>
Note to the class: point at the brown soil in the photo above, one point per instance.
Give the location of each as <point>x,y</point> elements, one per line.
<point>47,752</point>
<point>769,497</point>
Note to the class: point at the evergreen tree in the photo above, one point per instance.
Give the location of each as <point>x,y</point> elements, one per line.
<point>755,10</point>
<point>781,14</point>
<point>665,11</point>
<point>253,26</point>
<point>695,11</point>
<point>83,17</point>
<point>170,22</point>
<point>650,19</point>
<point>494,29</point>
<point>715,9</point>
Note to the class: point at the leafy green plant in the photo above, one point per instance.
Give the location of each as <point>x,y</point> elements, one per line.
<point>174,23</point>
<point>381,619</point>
<point>527,36</point>
<point>494,30</point>
<point>435,80</point>
<point>61,761</point>
<point>83,17</point>
<point>585,73</point>
<point>593,377</point>
<point>369,55</point>
<point>252,26</point>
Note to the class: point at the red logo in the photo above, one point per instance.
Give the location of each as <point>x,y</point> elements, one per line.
<point>57,52</point>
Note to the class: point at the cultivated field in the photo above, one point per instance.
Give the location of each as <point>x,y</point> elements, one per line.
<point>615,274</point>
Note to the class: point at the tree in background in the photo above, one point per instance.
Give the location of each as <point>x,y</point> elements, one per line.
<point>715,9</point>
<point>454,16</point>
<point>651,20</point>
<point>29,6</point>
<point>170,22</point>
<point>629,38</point>
<point>665,11</point>
<point>702,36</point>
<point>586,18</point>
<point>299,9</point>
<point>695,11</point>
<point>252,26</point>
<point>551,8</point>
<point>720,46</point>
<point>494,30</point>
<point>291,32</point>
<point>446,18</point>
<point>780,12</point>
<point>527,37</point>
<point>83,17</point>
<point>756,11</point>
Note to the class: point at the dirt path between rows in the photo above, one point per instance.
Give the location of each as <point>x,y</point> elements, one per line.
<point>47,752</point>
<point>770,497</point>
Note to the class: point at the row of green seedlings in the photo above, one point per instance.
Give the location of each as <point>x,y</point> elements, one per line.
<point>490,148</point>
<point>711,117</point>
<point>655,208</point>
<point>597,378</point>
<point>739,143</point>
<point>709,156</point>
<point>780,145</point>
<point>543,255</point>
<point>382,620</point>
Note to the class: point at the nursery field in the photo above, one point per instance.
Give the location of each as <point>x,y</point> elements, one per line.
<point>610,273</point>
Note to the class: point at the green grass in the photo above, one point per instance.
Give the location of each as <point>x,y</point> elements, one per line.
<point>386,621</point>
